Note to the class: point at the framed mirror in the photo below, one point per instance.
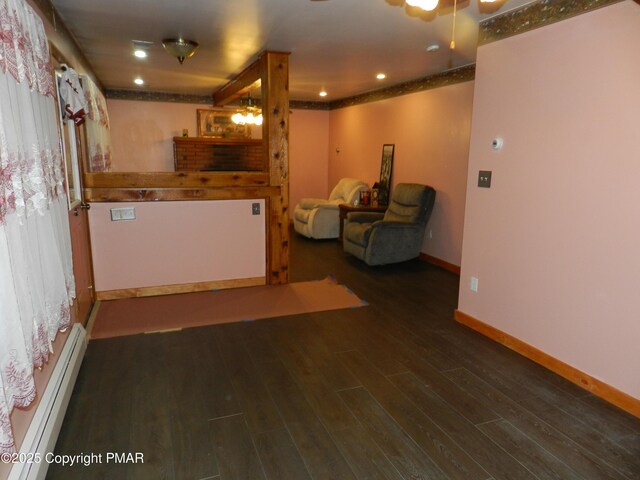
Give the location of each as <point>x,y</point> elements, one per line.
<point>386,167</point>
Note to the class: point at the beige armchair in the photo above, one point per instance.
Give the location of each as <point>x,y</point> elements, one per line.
<point>320,218</point>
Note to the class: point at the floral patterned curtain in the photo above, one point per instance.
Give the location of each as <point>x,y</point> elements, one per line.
<point>36,276</point>
<point>97,124</point>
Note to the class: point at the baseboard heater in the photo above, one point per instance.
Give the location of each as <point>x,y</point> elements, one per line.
<point>45,426</point>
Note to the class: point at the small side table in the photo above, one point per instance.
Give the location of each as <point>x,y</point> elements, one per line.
<point>346,208</point>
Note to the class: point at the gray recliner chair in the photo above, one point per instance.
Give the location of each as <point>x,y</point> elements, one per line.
<point>393,236</point>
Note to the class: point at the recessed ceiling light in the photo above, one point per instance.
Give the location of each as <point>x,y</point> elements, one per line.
<point>138,81</point>
<point>381,76</point>
<point>323,93</point>
<point>432,47</point>
<point>141,48</point>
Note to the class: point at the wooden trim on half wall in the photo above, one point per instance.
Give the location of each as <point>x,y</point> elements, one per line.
<point>597,387</point>
<point>181,288</point>
<point>440,263</point>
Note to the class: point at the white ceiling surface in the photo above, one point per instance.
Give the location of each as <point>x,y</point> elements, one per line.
<point>336,45</point>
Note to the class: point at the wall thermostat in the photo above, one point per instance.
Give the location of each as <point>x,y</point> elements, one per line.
<point>497,143</point>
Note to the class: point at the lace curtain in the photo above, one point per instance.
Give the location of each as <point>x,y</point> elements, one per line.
<point>36,276</point>
<point>97,124</point>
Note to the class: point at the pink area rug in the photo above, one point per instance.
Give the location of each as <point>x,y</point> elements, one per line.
<point>131,316</point>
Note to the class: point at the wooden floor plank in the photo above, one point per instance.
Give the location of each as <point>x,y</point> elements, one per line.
<point>289,398</point>
<point>405,455</point>
<point>252,395</point>
<point>481,448</point>
<point>631,444</point>
<point>234,449</point>
<point>321,455</point>
<point>583,461</point>
<point>535,381</point>
<point>434,441</point>
<point>280,457</point>
<point>92,413</point>
<point>367,460</point>
<point>458,399</point>
<point>312,344</point>
<point>324,400</point>
<point>209,373</point>
<point>535,458</point>
<point>151,432</point>
<point>587,436</point>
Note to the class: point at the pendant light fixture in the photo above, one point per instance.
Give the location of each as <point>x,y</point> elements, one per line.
<point>250,115</point>
<point>427,5</point>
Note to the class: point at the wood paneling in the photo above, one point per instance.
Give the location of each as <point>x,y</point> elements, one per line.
<point>156,180</point>
<point>175,194</point>
<point>185,288</point>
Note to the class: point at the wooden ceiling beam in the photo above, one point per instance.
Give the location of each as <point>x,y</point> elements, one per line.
<point>239,85</point>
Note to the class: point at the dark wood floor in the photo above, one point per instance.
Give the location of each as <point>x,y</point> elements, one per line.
<point>394,390</point>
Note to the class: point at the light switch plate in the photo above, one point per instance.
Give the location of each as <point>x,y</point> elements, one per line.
<point>255,209</point>
<point>123,213</point>
<point>484,178</point>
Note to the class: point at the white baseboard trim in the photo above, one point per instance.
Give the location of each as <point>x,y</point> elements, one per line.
<point>45,426</point>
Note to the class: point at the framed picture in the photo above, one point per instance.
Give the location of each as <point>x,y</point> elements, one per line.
<point>218,123</point>
<point>386,167</point>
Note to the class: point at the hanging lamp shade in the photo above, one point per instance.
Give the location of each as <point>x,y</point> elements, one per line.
<point>250,115</point>
<point>180,48</point>
<point>427,5</point>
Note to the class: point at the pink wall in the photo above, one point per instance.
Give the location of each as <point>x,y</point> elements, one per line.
<point>173,243</point>
<point>308,151</point>
<point>142,137</point>
<point>554,242</point>
<point>142,133</point>
<point>430,130</point>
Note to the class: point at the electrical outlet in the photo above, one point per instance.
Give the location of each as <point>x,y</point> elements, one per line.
<point>473,285</point>
<point>255,209</point>
<point>484,178</point>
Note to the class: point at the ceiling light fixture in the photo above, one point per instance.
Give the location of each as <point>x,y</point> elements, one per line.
<point>323,93</point>
<point>138,81</point>
<point>251,115</point>
<point>180,48</point>
<point>141,48</point>
<point>381,76</point>
<point>427,5</point>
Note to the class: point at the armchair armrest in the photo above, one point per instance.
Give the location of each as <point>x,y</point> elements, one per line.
<point>328,206</point>
<point>364,217</point>
<point>311,203</point>
<point>392,225</point>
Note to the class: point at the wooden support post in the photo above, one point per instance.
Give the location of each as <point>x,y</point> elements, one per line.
<point>275,132</point>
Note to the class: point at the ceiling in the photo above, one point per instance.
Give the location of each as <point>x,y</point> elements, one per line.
<point>336,45</point>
